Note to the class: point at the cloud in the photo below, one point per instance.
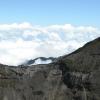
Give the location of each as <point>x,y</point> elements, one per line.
<point>21,26</point>
<point>20,42</point>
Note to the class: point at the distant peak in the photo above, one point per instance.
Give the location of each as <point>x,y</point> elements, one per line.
<point>39,60</point>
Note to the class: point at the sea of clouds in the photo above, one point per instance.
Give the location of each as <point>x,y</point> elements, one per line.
<point>24,41</point>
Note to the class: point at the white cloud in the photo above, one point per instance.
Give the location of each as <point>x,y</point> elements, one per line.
<point>24,25</point>
<point>19,42</point>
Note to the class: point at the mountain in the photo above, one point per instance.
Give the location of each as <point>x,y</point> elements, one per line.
<point>70,77</point>
<point>39,60</point>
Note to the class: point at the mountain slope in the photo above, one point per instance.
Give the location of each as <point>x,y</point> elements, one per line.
<point>81,70</point>
<point>71,77</point>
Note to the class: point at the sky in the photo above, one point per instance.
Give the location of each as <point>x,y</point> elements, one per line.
<point>47,12</point>
<point>34,28</point>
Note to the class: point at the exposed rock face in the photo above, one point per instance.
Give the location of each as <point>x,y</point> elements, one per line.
<point>71,77</point>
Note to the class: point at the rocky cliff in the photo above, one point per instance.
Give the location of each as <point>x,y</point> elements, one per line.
<point>71,77</point>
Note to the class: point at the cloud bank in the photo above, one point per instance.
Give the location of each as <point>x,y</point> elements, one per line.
<point>20,42</point>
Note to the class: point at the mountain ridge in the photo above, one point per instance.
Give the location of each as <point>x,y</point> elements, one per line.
<point>39,60</point>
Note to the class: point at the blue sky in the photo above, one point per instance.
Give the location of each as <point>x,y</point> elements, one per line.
<point>48,12</point>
